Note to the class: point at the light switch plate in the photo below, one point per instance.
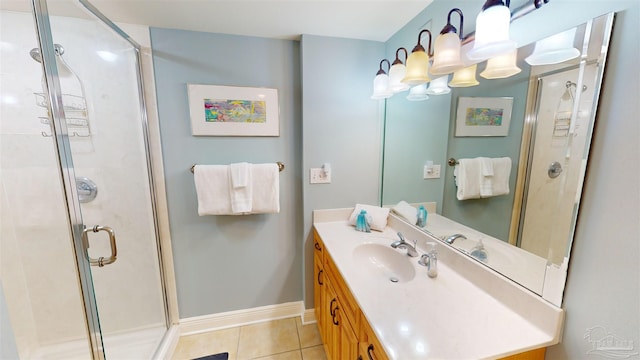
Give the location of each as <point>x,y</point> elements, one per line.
<point>433,174</point>
<point>319,176</point>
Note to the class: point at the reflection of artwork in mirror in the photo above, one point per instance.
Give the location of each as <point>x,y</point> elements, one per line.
<point>478,116</point>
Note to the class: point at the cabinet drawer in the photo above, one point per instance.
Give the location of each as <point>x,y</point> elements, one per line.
<point>349,304</point>
<point>370,347</point>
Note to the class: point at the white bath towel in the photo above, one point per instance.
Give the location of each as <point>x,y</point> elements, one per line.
<point>486,176</point>
<point>467,174</point>
<point>212,188</point>
<point>265,179</point>
<point>405,210</point>
<point>241,190</point>
<point>378,214</point>
<point>501,174</point>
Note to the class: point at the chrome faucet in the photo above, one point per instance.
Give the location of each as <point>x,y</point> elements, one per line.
<point>430,260</point>
<point>402,244</point>
<point>453,238</point>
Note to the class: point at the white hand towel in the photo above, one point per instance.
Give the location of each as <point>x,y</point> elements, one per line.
<point>241,189</point>
<point>502,172</point>
<point>486,177</point>
<point>212,188</point>
<point>265,179</point>
<point>406,211</point>
<point>378,214</point>
<point>467,178</point>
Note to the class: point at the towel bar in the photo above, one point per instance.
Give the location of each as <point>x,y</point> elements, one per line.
<point>280,166</point>
<point>452,162</point>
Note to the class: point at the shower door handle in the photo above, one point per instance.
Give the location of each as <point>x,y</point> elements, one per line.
<point>101,261</point>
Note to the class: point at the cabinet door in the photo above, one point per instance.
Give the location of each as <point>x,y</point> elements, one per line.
<point>348,338</point>
<point>318,298</point>
<point>331,323</point>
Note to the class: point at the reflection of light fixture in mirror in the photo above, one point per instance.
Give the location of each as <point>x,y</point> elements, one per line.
<point>418,63</point>
<point>397,73</point>
<point>465,77</point>
<point>418,93</point>
<point>492,31</point>
<point>381,83</point>
<point>439,86</point>
<point>501,66</point>
<point>554,49</point>
<point>107,55</point>
<point>446,50</point>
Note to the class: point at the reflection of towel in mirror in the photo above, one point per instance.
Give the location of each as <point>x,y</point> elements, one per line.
<point>473,181</point>
<point>467,174</point>
<point>486,177</point>
<point>406,211</point>
<point>501,174</point>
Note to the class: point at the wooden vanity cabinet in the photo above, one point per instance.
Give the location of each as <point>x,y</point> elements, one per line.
<point>337,313</point>
<point>345,331</point>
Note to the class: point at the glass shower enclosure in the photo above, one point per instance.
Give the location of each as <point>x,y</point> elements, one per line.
<point>80,269</point>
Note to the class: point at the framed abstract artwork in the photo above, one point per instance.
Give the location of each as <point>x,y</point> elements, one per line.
<point>233,111</point>
<point>481,116</point>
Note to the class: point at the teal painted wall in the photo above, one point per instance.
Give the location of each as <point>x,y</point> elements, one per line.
<point>225,263</point>
<point>341,126</point>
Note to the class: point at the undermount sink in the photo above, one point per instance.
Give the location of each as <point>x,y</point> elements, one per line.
<point>384,262</point>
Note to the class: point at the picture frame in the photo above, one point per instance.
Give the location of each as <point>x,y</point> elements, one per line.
<point>218,110</point>
<point>483,116</point>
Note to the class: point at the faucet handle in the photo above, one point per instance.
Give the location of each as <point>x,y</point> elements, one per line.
<point>401,236</point>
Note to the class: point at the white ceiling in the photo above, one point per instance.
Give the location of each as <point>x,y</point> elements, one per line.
<point>358,19</point>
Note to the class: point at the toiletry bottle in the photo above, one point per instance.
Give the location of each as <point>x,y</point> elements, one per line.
<point>362,222</point>
<point>422,216</point>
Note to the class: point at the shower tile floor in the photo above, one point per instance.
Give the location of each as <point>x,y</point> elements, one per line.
<point>285,339</point>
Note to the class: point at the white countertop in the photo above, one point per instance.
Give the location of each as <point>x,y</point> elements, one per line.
<point>467,312</point>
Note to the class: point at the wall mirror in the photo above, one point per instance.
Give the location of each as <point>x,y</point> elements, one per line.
<point>526,235</point>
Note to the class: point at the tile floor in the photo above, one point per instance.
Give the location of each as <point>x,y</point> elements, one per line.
<point>285,339</point>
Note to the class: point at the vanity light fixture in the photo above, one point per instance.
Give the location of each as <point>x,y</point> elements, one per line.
<point>418,63</point>
<point>397,73</point>
<point>501,66</point>
<point>381,83</point>
<point>465,77</point>
<point>439,86</point>
<point>554,49</point>
<point>418,93</point>
<point>446,58</point>
<point>492,31</point>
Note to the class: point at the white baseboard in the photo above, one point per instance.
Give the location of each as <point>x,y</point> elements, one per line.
<point>200,324</point>
<point>308,317</point>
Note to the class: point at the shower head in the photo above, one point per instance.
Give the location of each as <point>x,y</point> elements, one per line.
<point>35,52</point>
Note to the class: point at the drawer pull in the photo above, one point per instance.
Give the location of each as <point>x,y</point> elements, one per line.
<point>333,318</point>
<point>369,350</point>
<point>317,246</point>
<point>331,309</point>
<point>319,281</point>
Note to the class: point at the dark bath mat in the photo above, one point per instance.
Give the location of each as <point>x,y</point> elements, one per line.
<point>221,356</point>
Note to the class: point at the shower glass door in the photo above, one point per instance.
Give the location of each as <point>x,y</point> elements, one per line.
<point>80,270</point>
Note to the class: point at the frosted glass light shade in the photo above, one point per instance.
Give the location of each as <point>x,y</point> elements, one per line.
<point>417,69</point>
<point>439,86</point>
<point>446,54</point>
<point>554,49</point>
<point>492,33</point>
<point>418,93</point>
<point>396,74</point>
<point>501,66</point>
<point>381,87</point>
<point>465,77</point>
